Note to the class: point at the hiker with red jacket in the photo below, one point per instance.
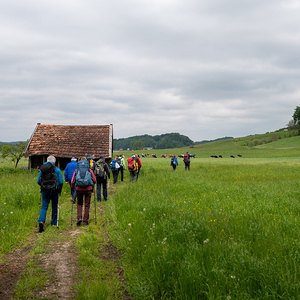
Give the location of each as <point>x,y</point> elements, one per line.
<point>137,159</point>
<point>83,179</point>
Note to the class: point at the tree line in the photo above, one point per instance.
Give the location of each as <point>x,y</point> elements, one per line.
<point>163,141</point>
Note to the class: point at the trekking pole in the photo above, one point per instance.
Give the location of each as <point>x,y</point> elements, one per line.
<point>95,207</point>
<point>38,209</point>
<point>57,212</point>
<point>72,214</point>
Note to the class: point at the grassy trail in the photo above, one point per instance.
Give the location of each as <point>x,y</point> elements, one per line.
<point>65,263</point>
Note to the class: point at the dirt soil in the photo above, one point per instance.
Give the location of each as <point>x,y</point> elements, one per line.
<point>11,270</point>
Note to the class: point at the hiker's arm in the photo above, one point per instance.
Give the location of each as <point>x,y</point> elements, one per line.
<point>39,178</point>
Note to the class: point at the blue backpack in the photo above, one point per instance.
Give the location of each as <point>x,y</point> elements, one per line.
<point>114,165</point>
<point>83,175</point>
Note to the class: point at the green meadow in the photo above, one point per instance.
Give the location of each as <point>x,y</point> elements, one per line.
<point>226,229</point>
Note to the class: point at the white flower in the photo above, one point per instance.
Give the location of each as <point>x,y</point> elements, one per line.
<point>206,241</point>
<point>232,276</point>
<point>129,224</point>
<point>144,209</point>
<point>129,240</point>
<point>11,212</point>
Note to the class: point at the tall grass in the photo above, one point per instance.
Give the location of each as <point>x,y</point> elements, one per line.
<point>223,230</point>
<point>18,206</point>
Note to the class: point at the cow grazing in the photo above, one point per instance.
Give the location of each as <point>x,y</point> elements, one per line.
<point>231,156</point>
<point>154,155</point>
<point>239,155</point>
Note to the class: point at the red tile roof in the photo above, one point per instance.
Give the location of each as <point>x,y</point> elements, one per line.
<point>67,140</point>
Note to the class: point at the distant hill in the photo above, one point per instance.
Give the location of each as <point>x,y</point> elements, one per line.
<point>163,141</point>
<point>209,141</point>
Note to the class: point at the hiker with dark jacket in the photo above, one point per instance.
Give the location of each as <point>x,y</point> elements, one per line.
<point>174,162</point>
<point>69,171</point>
<point>51,181</point>
<point>133,168</point>
<point>115,166</point>
<point>101,177</point>
<point>187,160</point>
<point>83,189</point>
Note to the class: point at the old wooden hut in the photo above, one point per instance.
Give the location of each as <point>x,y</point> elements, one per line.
<point>65,141</point>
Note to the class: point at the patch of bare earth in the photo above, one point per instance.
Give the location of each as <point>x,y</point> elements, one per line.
<point>11,270</point>
<point>60,262</point>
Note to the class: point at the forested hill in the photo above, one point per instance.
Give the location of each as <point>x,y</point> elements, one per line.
<point>163,141</point>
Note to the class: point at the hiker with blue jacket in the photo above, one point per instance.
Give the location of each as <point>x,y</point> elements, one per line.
<point>51,181</point>
<point>69,171</point>
<point>83,179</point>
<point>174,162</point>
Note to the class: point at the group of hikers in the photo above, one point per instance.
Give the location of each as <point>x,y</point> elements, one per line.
<point>82,177</point>
<point>186,160</point>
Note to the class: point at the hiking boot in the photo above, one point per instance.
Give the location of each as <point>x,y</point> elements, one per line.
<point>41,227</point>
<point>85,223</point>
<point>79,221</point>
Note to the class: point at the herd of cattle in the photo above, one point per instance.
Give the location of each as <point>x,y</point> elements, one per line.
<point>182,155</point>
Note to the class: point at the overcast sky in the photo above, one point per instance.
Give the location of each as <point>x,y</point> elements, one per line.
<point>206,69</point>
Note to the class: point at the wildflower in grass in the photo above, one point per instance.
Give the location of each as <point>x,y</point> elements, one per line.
<point>129,224</point>
<point>129,240</point>
<point>11,212</point>
<point>144,209</point>
<point>164,240</point>
<point>232,276</point>
<point>206,241</point>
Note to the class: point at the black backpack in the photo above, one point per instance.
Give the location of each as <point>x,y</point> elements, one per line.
<point>48,177</point>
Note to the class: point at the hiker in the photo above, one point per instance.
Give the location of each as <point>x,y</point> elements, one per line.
<point>122,166</point>
<point>51,181</point>
<point>187,160</point>
<point>133,168</point>
<point>174,162</point>
<point>115,166</point>
<point>69,171</point>
<point>92,162</point>
<point>137,159</point>
<point>101,174</point>
<point>83,179</point>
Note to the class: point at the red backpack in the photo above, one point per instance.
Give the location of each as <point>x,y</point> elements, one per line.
<point>186,158</point>
<point>132,164</point>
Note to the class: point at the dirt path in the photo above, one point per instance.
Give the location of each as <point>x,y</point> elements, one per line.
<point>59,261</point>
